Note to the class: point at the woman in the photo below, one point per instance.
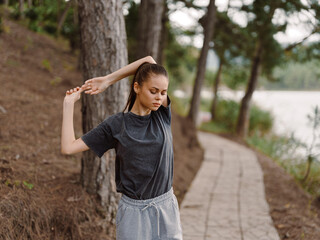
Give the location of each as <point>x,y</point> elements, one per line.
<point>142,138</point>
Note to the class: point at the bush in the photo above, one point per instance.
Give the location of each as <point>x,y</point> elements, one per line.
<point>227,112</point>
<point>277,147</point>
<point>260,120</point>
<point>283,150</point>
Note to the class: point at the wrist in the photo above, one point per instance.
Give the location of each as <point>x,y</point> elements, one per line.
<point>68,102</point>
<point>110,79</point>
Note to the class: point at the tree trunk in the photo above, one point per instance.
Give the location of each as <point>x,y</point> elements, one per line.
<point>75,12</point>
<point>310,160</point>
<point>164,33</point>
<point>29,4</point>
<point>215,91</point>
<point>75,40</point>
<point>149,26</point>
<point>244,113</point>
<point>201,68</point>
<point>104,50</point>
<point>6,3</point>
<point>21,3</point>
<point>58,10</point>
<point>63,17</point>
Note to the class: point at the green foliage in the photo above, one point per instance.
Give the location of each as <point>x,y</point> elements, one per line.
<point>180,61</point>
<point>44,18</point>
<point>305,53</point>
<point>54,82</point>
<point>14,11</point>
<point>28,185</point>
<point>295,76</point>
<point>260,120</point>
<point>235,76</point>
<point>230,40</point>
<point>262,28</point>
<point>283,149</point>
<point>131,20</point>
<point>180,105</point>
<point>18,183</point>
<point>205,104</point>
<point>277,147</point>
<point>226,113</point>
<point>226,116</point>
<point>216,127</point>
<point>209,78</point>
<point>71,31</point>
<point>312,185</point>
<point>46,64</point>
<point>231,44</point>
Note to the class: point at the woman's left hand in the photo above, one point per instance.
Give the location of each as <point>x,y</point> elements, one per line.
<point>96,85</point>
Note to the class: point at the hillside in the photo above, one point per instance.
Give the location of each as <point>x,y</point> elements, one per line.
<point>40,192</point>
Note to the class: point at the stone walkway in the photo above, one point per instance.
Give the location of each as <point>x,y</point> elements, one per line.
<point>226,200</point>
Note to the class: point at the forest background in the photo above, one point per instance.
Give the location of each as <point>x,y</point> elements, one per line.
<point>249,58</point>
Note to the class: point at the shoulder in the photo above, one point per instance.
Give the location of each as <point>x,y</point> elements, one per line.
<point>113,120</point>
<point>115,117</point>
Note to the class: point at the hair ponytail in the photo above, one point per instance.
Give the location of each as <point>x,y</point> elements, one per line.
<point>141,75</point>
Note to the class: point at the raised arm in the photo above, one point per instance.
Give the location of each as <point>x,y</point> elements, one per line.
<point>69,145</point>
<point>99,84</point>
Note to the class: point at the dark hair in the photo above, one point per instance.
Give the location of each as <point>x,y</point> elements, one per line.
<point>143,73</point>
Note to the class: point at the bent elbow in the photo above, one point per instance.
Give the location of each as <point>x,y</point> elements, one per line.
<point>151,60</point>
<point>65,151</point>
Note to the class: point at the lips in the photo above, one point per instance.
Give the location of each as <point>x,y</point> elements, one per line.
<point>156,104</point>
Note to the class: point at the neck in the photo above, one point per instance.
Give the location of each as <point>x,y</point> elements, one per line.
<point>138,109</point>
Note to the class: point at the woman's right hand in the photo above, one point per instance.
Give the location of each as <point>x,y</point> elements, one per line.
<point>73,94</point>
<point>96,85</point>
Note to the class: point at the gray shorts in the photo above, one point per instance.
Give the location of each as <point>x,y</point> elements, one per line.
<point>150,219</point>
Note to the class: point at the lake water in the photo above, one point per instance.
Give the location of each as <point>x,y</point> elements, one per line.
<point>289,109</point>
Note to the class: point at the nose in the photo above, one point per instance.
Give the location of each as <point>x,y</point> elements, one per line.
<point>158,96</point>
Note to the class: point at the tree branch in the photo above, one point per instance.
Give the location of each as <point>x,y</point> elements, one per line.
<point>290,47</point>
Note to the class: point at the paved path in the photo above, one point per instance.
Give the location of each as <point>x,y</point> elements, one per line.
<point>226,200</point>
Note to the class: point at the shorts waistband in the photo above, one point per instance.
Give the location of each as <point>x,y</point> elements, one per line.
<point>143,202</point>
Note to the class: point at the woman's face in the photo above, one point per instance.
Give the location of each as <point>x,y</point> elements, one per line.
<point>152,92</point>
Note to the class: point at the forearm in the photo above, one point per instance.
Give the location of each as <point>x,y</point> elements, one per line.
<point>67,131</point>
<point>128,70</point>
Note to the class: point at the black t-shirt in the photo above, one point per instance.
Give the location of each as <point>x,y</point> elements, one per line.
<point>144,150</point>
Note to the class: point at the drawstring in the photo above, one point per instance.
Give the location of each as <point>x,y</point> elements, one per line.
<point>158,214</point>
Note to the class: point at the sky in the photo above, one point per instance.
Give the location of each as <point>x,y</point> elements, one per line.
<point>187,18</point>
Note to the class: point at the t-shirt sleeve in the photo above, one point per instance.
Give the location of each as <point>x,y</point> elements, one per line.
<point>100,139</point>
<point>166,111</point>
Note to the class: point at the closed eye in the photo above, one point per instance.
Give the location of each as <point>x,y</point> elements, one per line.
<point>154,91</point>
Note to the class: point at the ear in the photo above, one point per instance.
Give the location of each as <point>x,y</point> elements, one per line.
<point>136,87</point>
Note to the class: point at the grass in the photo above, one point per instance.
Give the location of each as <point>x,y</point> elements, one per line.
<point>283,150</point>
<point>216,127</point>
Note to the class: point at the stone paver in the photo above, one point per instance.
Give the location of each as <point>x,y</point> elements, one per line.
<point>226,200</point>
